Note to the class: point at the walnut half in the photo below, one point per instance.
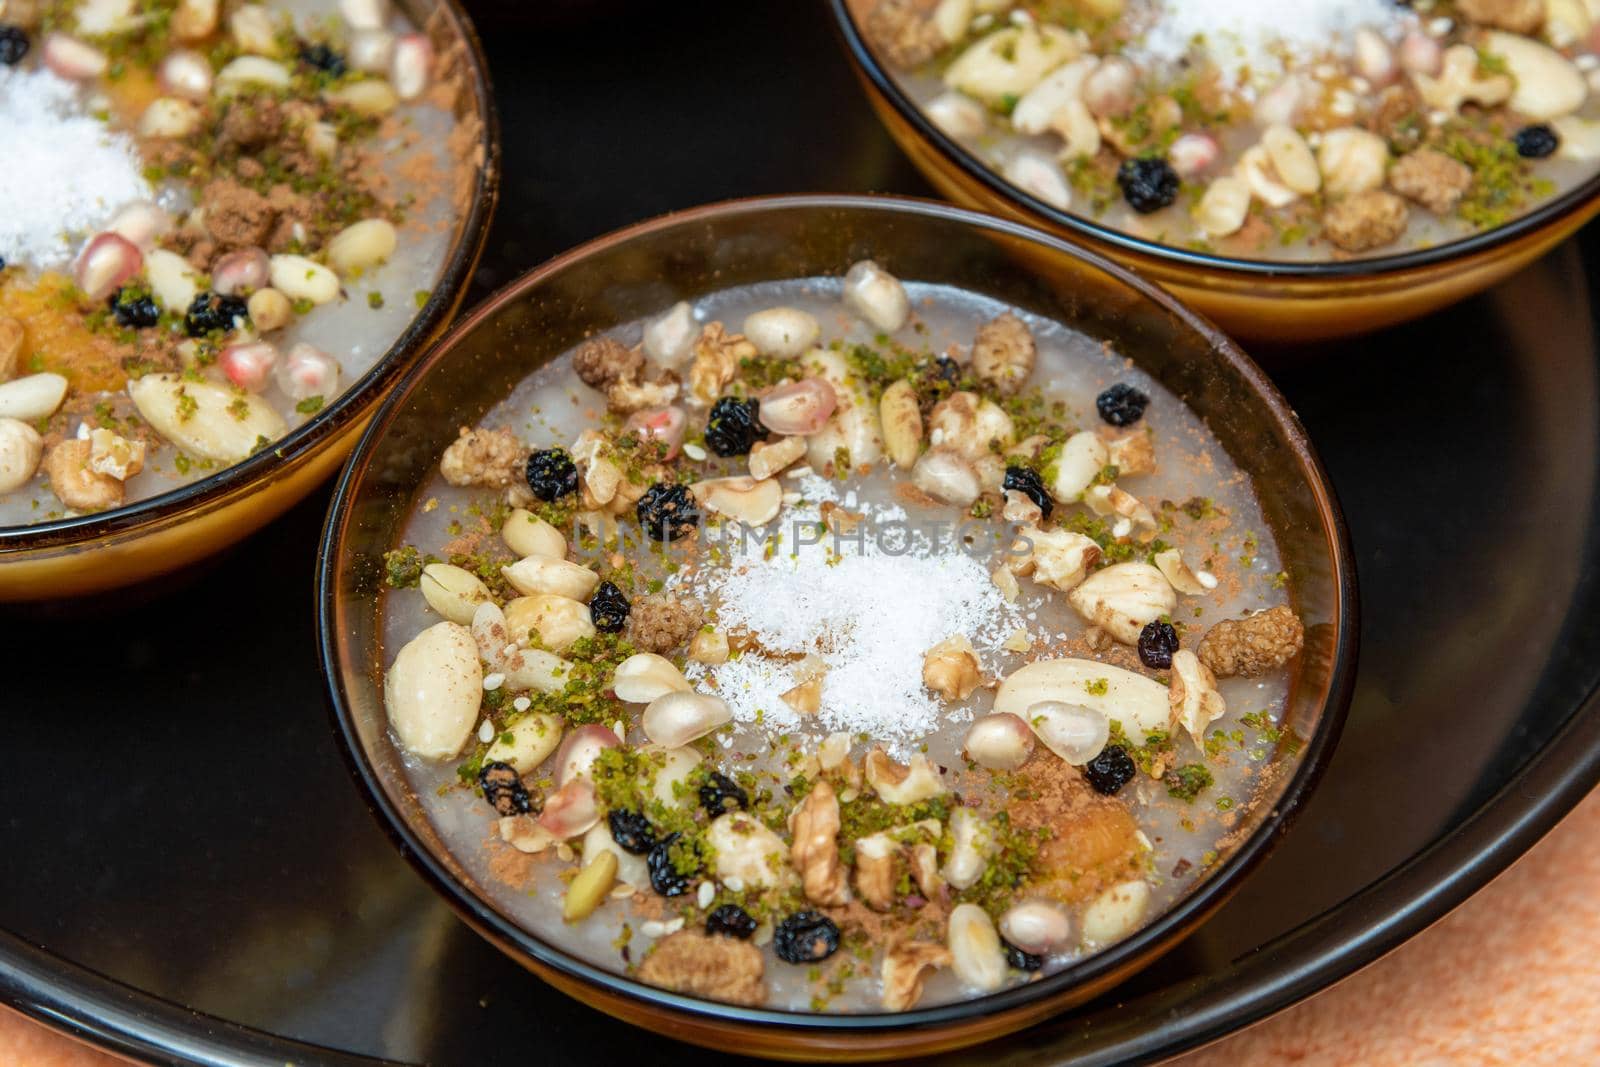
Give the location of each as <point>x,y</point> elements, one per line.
<point>815,852</point>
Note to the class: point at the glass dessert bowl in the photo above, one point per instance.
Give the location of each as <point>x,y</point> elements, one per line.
<point>241,223</point>
<point>753,621</point>
<point>1295,170</point>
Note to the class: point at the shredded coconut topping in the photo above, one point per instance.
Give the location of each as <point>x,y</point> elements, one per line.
<point>868,613</point>
<point>65,173</point>
<point>1249,40</point>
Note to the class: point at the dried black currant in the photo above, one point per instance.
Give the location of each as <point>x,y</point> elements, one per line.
<point>1147,184</point>
<point>1027,482</point>
<point>805,937</point>
<point>608,608</point>
<point>947,369</point>
<point>664,875</point>
<point>214,313</point>
<point>551,474</point>
<point>134,309</point>
<point>324,59</point>
<point>1157,642</point>
<point>667,511</point>
<point>1536,142</point>
<point>1111,770</point>
<point>730,920</point>
<point>503,789</point>
<point>13,45</point>
<point>1022,961</point>
<point>631,831</point>
<point>1121,404</point>
<point>734,426</point>
<point>722,794</point>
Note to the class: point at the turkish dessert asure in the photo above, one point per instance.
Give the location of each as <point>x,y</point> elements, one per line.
<point>838,644</point>
<point>1263,129</point>
<point>218,216</point>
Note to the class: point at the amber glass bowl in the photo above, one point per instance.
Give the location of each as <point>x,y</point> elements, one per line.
<point>159,535</point>
<point>1252,298</point>
<point>648,267</point>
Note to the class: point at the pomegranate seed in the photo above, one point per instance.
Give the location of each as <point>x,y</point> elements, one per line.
<point>240,273</point>
<point>306,371</point>
<point>1192,153</point>
<point>108,260</point>
<point>248,365</point>
<point>141,222</point>
<point>570,810</point>
<point>665,425</point>
<point>798,408</point>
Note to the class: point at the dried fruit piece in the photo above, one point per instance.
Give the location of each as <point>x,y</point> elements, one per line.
<point>667,511</point>
<point>722,794</point>
<point>551,474</point>
<point>1026,481</point>
<point>503,789</point>
<point>665,878</point>
<point>734,426</point>
<point>631,831</point>
<point>1111,770</point>
<point>1157,642</point>
<point>1536,141</point>
<point>1147,184</point>
<point>608,608</point>
<point>1121,404</point>
<point>730,920</point>
<point>214,313</point>
<point>805,937</point>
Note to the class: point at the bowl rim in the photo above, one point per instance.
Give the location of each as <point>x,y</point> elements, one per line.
<point>1167,929</point>
<point>873,70</point>
<point>174,505</point>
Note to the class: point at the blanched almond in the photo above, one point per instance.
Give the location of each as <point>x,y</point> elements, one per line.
<point>250,72</point>
<point>204,419</point>
<point>557,620</point>
<point>173,281</point>
<point>977,958</point>
<point>676,718</point>
<point>526,743</point>
<point>21,448</point>
<point>1140,704</point>
<point>1083,456</point>
<point>33,396</point>
<point>299,278</point>
<point>371,97</point>
<point>528,535</point>
<point>557,577</point>
<point>1115,913</point>
<point>644,676</point>
<point>782,331</point>
<point>433,691</point>
<point>452,591</point>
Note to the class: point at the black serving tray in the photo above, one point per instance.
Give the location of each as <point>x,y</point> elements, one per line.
<point>188,872</point>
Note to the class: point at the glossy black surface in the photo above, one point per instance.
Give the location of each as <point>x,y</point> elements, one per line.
<point>174,812</point>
